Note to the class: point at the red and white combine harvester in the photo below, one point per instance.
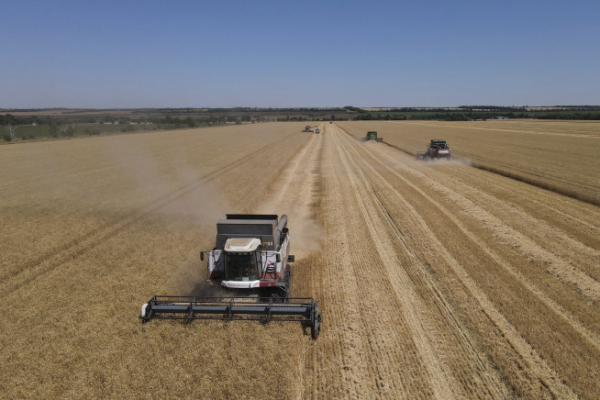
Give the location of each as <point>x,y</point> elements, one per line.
<point>250,259</point>
<point>437,149</point>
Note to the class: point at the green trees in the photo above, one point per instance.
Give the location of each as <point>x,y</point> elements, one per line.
<point>69,130</point>
<point>54,129</point>
<point>189,121</point>
<point>128,128</point>
<point>92,131</point>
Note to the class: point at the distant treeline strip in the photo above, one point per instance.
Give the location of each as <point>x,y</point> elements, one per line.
<point>192,117</point>
<point>118,119</point>
<point>456,115</point>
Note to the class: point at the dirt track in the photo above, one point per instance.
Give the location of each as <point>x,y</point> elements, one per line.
<point>436,281</point>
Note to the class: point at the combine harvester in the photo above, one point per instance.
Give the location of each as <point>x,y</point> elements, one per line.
<point>372,135</point>
<point>250,258</point>
<point>437,149</point>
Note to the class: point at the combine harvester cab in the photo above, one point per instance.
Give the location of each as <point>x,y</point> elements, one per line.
<point>251,255</point>
<point>251,259</point>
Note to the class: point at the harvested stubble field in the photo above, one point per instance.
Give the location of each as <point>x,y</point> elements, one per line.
<point>436,280</point>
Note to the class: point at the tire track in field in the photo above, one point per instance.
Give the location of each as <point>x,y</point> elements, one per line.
<point>409,303</point>
<point>579,190</point>
<point>335,365</point>
<point>293,189</point>
<point>436,378</point>
<point>525,175</point>
<point>579,212</point>
<point>86,242</point>
<point>526,350</point>
<point>386,260</point>
<point>340,370</point>
<point>468,205</point>
<point>357,355</point>
<point>528,360</point>
<point>544,205</point>
<point>556,244</point>
<point>444,354</point>
<point>504,331</point>
<point>587,284</point>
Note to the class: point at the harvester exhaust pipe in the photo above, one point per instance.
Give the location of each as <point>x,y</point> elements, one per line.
<point>281,226</point>
<point>282,223</point>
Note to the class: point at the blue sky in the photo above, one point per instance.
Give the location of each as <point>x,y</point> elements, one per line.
<point>120,54</point>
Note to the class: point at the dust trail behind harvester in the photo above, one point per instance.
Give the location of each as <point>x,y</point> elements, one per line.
<point>189,279</point>
<point>194,199</point>
<point>296,204</point>
<point>194,202</point>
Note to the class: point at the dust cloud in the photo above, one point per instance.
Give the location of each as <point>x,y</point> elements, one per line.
<point>464,162</point>
<point>182,192</point>
<point>426,163</point>
<point>305,234</point>
<point>176,192</point>
<point>189,279</point>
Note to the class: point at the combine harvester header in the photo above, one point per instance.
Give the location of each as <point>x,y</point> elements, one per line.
<point>250,258</point>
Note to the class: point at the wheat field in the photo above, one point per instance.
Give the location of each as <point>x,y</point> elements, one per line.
<point>558,155</point>
<point>435,280</point>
